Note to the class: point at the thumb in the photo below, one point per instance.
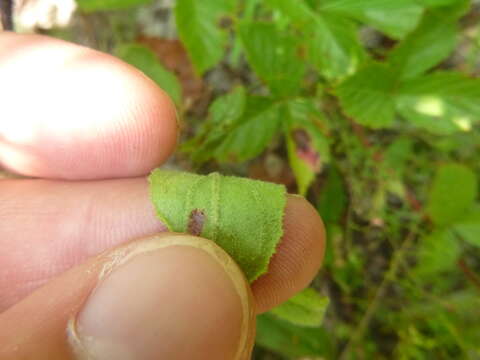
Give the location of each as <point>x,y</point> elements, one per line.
<point>169,296</point>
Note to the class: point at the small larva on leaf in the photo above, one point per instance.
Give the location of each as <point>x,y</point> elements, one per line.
<point>195,222</point>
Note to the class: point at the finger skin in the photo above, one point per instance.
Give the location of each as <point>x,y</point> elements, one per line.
<point>69,112</point>
<point>189,322</point>
<point>64,223</point>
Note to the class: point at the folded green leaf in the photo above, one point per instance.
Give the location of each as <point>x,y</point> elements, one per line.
<point>243,216</point>
<point>145,60</point>
<point>452,194</point>
<point>307,145</point>
<point>273,55</point>
<point>198,24</point>
<point>307,308</point>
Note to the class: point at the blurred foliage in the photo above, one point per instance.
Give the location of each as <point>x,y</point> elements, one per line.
<point>371,108</point>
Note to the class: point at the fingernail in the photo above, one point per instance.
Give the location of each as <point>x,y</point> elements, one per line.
<point>167,297</point>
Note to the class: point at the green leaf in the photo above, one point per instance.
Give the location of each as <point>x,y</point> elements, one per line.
<point>443,102</point>
<point>332,42</point>
<point>251,136</point>
<point>394,18</point>
<point>199,30</point>
<point>224,114</point>
<point>290,340</point>
<point>104,5</point>
<point>426,47</point>
<point>307,146</point>
<point>145,60</point>
<point>334,48</point>
<point>368,96</point>
<point>469,226</point>
<point>333,198</point>
<point>438,252</point>
<point>273,56</point>
<point>437,3</point>
<point>453,192</point>
<point>243,216</point>
<point>307,308</point>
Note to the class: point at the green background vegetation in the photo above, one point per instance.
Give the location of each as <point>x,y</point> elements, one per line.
<point>371,108</point>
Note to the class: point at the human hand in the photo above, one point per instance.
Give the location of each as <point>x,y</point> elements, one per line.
<point>88,128</point>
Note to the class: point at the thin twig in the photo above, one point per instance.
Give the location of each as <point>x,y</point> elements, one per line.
<point>387,279</point>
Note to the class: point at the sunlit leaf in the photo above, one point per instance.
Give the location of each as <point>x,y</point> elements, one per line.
<point>243,216</point>
<point>443,102</point>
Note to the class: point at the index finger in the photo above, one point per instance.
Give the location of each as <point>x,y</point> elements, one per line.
<point>70,112</point>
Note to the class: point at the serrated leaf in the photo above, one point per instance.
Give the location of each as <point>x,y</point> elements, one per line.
<point>273,56</point>
<point>307,146</point>
<point>427,46</point>
<point>332,42</point>
<point>223,115</point>
<point>104,5</point>
<point>251,136</point>
<point>394,18</point>
<point>453,192</point>
<point>334,48</point>
<point>368,96</point>
<point>469,226</point>
<point>145,60</point>
<point>333,197</point>
<point>307,308</point>
<point>438,252</point>
<point>243,216</point>
<point>443,102</point>
<point>290,340</point>
<point>198,24</point>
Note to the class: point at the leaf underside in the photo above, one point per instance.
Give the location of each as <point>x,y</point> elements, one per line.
<point>243,216</point>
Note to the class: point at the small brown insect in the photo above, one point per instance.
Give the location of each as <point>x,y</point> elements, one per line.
<point>195,222</point>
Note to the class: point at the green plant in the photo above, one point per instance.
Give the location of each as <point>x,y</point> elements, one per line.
<point>375,107</point>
